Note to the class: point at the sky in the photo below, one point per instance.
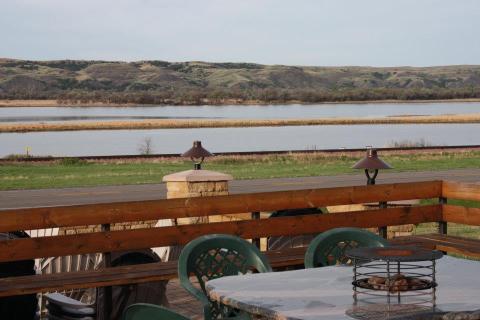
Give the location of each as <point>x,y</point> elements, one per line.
<point>294,32</point>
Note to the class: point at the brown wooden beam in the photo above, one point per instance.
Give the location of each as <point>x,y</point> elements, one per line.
<point>87,279</point>
<point>121,275</point>
<point>28,248</point>
<point>462,191</point>
<point>450,244</point>
<point>96,214</point>
<point>462,215</point>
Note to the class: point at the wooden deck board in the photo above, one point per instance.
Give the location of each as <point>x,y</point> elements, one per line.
<point>182,302</point>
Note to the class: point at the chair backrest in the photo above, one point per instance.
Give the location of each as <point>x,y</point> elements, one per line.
<point>329,247</point>
<point>214,256</point>
<point>146,311</point>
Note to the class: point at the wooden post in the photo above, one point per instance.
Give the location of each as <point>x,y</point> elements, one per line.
<point>256,241</point>
<point>442,225</point>
<point>383,231</point>
<point>107,259</point>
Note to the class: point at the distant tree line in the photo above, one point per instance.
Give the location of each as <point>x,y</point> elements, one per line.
<point>236,95</point>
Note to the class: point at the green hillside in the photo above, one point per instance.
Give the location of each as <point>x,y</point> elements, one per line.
<point>202,82</point>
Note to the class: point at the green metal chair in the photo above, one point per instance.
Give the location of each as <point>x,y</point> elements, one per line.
<point>329,247</point>
<point>146,311</point>
<point>215,256</point>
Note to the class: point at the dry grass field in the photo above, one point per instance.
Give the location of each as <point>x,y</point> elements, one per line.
<point>56,103</point>
<point>169,123</point>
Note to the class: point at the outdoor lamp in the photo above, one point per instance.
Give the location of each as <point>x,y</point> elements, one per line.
<point>371,163</point>
<point>197,153</point>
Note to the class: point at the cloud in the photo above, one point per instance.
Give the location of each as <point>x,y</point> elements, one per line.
<point>336,32</point>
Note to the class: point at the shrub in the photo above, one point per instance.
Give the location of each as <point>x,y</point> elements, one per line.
<point>409,143</point>
<point>72,162</point>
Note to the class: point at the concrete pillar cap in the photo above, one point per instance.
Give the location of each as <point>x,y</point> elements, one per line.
<point>197,176</point>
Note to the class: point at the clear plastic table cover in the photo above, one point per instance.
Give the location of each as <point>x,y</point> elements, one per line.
<point>326,293</point>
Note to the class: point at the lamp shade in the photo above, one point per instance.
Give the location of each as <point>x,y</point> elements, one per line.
<point>197,151</point>
<point>371,162</point>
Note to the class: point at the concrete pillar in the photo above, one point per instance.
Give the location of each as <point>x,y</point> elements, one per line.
<point>196,183</point>
<point>190,184</point>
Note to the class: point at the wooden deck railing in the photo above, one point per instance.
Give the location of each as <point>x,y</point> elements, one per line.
<point>48,217</point>
<point>109,241</point>
<point>461,214</point>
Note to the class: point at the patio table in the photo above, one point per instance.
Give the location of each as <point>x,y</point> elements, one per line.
<point>326,293</point>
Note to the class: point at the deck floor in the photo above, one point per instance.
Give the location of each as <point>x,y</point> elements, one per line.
<point>182,302</point>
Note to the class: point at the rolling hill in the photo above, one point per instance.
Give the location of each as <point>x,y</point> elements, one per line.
<point>202,82</point>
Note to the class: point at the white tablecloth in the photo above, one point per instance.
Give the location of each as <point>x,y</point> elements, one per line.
<point>326,293</point>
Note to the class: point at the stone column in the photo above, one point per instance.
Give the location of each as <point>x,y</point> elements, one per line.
<point>190,184</point>
<point>196,183</point>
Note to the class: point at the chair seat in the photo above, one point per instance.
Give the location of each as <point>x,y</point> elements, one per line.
<point>64,301</point>
<point>83,312</point>
<point>63,307</point>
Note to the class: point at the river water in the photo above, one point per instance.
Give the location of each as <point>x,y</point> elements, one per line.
<point>113,142</point>
<point>44,114</point>
<point>116,142</point>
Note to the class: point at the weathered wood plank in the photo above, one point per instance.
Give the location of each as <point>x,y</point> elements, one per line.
<point>121,275</point>
<point>27,248</point>
<point>47,217</point>
<point>463,191</point>
<point>87,279</point>
<point>462,215</point>
<point>286,257</point>
<point>446,243</point>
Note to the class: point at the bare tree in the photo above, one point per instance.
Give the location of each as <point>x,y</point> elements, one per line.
<point>146,147</point>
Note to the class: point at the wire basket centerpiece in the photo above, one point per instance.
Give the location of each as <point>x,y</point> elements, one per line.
<point>394,275</point>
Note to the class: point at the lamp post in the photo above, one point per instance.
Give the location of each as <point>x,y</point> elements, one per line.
<point>197,154</point>
<point>371,163</point>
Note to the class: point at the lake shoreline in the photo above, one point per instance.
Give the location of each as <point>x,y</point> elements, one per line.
<point>235,123</point>
<point>55,103</point>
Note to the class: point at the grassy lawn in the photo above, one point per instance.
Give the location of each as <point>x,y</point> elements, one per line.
<point>454,229</point>
<point>78,173</point>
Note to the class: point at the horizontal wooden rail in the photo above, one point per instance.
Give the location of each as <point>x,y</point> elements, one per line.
<point>27,248</point>
<point>447,243</point>
<point>95,214</point>
<point>462,191</point>
<point>462,215</point>
<point>122,275</point>
<point>87,279</point>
